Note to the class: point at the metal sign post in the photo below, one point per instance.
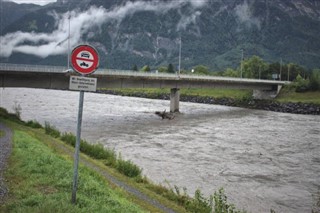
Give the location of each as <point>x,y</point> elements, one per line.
<point>76,154</point>
<point>84,60</point>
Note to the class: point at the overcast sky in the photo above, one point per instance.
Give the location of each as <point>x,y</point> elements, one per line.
<point>40,2</point>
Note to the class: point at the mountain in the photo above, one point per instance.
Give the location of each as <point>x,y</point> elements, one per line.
<point>127,33</point>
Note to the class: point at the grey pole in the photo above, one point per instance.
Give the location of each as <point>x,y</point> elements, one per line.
<point>241,65</point>
<point>68,65</point>
<point>179,57</point>
<point>77,149</point>
<point>280,69</point>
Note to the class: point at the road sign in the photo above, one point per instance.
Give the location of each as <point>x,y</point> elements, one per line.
<point>83,84</point>
<point>84,59</point>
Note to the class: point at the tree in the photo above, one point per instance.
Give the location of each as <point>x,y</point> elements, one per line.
<point>170,69</point>
<point>135,68</point>
<point>254,67</point>
<point>201,69</point>
<point>301,84</point>
<point>314,83</point>
<point>163,69</point>
<point>230,73</point>
<point>145,68</point>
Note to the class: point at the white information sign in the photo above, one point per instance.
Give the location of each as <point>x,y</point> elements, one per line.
<point>83,84</point>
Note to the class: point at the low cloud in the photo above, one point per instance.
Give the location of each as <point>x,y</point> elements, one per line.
<point>81,23</point>
<point>187,20</point>
<point>245,15</point>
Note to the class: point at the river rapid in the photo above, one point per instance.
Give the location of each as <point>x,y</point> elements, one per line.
<point>264,160</point>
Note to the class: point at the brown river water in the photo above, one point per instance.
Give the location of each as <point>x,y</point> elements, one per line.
<point>264,160</point>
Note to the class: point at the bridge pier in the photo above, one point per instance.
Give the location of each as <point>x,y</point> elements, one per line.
<point>267,94</point>
<point>174,99</point>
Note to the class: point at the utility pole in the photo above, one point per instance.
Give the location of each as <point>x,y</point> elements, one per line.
<point>179,57</point>
<point>280,69</point>
<point>68,61</point>
<point>1,25</point>
<point>288,72</point>
<point>259,72</point>
<point>241,65</point>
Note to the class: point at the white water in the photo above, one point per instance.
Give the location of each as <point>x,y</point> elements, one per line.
<point>264,160</point>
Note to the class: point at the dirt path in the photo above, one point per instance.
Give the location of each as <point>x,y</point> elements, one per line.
<point>5,150</point>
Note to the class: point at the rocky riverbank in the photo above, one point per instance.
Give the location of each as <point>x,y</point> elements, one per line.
<point>269,105</point>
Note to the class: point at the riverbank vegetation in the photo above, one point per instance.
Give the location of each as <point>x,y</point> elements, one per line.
<point>39,177</point>
<point>303,85</point>
<point>253,67</point>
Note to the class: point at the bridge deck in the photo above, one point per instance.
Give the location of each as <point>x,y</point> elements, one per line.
<point>54,77</point>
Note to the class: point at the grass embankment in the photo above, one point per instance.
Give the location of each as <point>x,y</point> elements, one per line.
<point>40,180</point>
<point>287,95</point>
<point>40,177</point>
<point>155,93</point>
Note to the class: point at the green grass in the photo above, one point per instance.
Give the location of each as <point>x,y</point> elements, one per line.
<point>41,181</point>
<point>287,95</point>
<point>217,93</point>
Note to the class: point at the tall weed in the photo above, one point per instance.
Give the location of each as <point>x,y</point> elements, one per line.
<point>51,130</point>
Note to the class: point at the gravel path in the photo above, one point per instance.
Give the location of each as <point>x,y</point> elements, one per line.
<point>5,150</point>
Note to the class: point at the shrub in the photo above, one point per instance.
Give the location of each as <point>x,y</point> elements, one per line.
<point>315,80</point>
<point>128,168</point>
<point>51,130</point>
<point>199,203</point>
<point>17,110</point>
<point>97,151</point>
<point>301,84</point>
<point>34,124</point>
<point>6,115</point>
<point>69,138</point>
<point>221,204</point>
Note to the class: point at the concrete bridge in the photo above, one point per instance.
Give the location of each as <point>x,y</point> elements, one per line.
<point>56,77</point>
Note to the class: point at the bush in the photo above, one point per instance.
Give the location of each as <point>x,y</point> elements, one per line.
<point>96,151</point>
<point>221,204</point>
<point>301,84</point>
<point>69,138</point>
<point>51,130</point>
<point>34,124</point>
<point>128,168</point>
<point>6,115</point>
<point>315,80</point>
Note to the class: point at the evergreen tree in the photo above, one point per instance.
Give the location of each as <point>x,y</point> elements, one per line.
<point>171,68</point>
<point>135,68</point>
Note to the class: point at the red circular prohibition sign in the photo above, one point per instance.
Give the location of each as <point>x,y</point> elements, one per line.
<point>84,59</point>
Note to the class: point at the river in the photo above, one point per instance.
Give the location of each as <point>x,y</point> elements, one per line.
<point>264,160</point>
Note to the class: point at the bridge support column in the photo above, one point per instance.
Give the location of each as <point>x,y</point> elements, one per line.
<point>174,100</point>
<point>267,94</point>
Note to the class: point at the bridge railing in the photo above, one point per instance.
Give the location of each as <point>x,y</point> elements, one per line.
<point>32,68</point>
<point>180,76</point>
<point>134,73</point>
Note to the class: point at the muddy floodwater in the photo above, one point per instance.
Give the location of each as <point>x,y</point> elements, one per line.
<point>264,160</point>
